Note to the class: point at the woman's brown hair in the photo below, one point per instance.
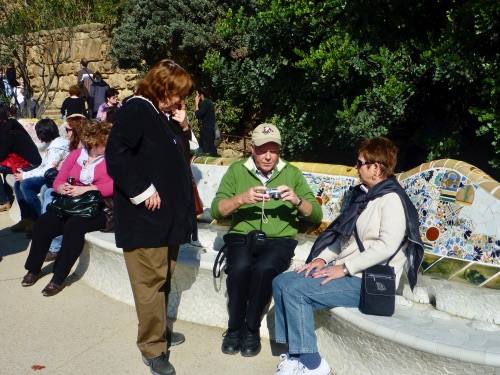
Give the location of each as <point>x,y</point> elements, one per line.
<point>382,151</point>
<point>165,79</point>
<point>76,123</point>
<point>75,90</point>
<point>95,133</point>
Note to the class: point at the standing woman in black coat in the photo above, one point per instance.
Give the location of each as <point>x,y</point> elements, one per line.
<point>153,198</point>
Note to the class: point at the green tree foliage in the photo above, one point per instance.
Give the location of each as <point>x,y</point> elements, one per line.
<point>156,29</point>
<point>331,73</point>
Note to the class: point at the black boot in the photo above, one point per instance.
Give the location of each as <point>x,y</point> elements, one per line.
<point>159,365</point>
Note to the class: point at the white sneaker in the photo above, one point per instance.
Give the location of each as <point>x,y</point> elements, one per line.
<point>288,365</point>
<point>323,369</point>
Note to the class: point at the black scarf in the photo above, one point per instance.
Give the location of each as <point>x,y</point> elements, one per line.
<point>344,224</point>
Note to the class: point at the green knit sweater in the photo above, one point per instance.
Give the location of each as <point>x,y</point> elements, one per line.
<point>282,216</point>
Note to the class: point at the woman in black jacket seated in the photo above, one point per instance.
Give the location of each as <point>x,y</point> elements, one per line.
<point>14,139</point>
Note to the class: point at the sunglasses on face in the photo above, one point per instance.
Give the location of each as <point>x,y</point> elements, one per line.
<point>360,163</point>
<point>68,130</point>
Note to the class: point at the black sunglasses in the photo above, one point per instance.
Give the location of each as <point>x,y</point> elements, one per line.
<point>360,163</point>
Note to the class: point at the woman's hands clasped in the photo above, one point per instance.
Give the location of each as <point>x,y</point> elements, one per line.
<point>316,269</point>
<point>73,191</point>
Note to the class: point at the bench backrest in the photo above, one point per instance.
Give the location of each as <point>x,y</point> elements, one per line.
<point>458,205</point>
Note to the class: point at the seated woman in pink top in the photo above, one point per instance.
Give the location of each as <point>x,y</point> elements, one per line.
<point>87,166</point>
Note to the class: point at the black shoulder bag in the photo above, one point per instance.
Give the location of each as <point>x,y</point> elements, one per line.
<point>378,286</point>
<point>87,205</point>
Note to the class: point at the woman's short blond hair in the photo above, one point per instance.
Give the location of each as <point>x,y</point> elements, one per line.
<point>94,133</point>
<point>165,79</point>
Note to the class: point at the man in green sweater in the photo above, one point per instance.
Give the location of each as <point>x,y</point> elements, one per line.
<point>269,220</point>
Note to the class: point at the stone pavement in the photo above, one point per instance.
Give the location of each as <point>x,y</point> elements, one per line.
<point>83,332</point>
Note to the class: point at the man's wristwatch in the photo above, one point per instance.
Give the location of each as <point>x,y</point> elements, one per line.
<point>300,201</point>
<point>345,270</point>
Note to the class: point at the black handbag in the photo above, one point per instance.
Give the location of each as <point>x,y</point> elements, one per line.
<point>378,286</point>
<point>87,205</point>
<point>49,176</point>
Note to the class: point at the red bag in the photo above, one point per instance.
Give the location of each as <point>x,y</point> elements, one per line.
<point>14,161</point>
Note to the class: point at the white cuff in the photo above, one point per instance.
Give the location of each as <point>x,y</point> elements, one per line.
<point>143,196</point>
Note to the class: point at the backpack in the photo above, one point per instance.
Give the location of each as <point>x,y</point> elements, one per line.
<point>218,136</point>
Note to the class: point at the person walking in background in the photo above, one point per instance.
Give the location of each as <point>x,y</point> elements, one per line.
<point>144,154</point>
<point>205,112</point>
<point>73,104</point>
<point>84,79</point>
<point>110,100</point>
<point>250,270</point>
<point>97,94</point>
<point>5,88</point>
<point>18,99</point>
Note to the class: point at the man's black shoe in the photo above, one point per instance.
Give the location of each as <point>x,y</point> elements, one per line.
<point>159,365</point>
<point>250,344</point>
<point>231,342</point>
<point>175,338</point>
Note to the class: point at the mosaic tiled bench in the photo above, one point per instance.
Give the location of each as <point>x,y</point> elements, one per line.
<point>449,324</point>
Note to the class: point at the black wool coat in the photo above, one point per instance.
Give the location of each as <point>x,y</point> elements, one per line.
<point>143,150</point>
<point>15,139</point>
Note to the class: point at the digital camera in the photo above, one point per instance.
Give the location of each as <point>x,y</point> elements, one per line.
<point>273,193</point>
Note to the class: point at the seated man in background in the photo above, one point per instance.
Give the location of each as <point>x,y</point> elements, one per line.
<point>251,269</point>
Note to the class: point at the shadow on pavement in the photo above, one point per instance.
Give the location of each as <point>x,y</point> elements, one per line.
<point>12,243</point>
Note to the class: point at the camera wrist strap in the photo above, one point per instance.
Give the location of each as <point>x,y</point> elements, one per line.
<point>264,217</point>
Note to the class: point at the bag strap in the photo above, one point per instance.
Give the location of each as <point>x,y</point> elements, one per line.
<point>221,257</point>
<point>90,75</point>
<point>362,248</point>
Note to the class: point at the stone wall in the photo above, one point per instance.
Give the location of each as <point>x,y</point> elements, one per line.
<point>90,41</point>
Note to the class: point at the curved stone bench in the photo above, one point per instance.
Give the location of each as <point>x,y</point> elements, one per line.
<point>195,296</point>
<point>449,324</point>
<point>417,339</point>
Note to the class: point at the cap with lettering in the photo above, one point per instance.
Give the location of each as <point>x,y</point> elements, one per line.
<point>265,133</point>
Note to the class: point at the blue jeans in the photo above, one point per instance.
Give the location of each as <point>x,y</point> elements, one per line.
<point>26,193</point>
<point>297,297</point>
<point>46,197</point>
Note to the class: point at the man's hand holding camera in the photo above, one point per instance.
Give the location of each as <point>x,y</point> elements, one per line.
<point>258,194</point>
